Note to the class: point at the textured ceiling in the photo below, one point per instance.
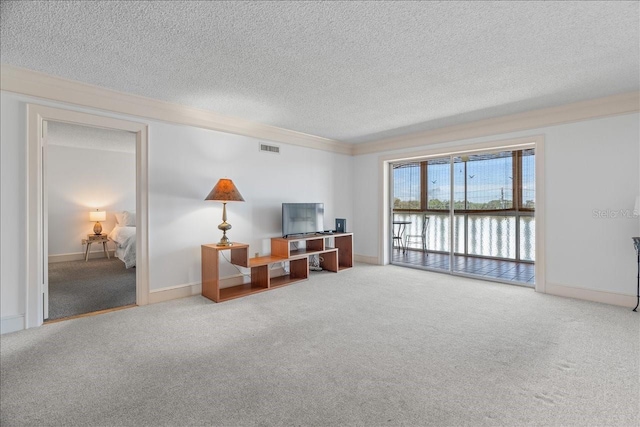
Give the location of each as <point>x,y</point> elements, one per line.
<point>351,71</point>
<point>92,138</point>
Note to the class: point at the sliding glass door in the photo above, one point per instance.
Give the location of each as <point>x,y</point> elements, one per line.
<point>468,213</point>
<point>421,221</point>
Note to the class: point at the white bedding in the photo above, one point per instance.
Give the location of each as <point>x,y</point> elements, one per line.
<point>125,240</point>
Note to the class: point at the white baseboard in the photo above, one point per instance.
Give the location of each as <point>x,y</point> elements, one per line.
<point>195,288</point>
<point>175,292</point>
<point>78,256</point>
<point>591,295</point>
<point>11,324</point>
<point>366,259</point>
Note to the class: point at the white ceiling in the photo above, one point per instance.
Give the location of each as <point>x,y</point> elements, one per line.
<point>350,71</point>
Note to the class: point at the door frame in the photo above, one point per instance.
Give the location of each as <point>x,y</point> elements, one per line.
<point>36,248</point>
<point>386,189</point>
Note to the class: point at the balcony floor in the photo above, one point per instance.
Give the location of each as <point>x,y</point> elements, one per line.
<point>520,273</point>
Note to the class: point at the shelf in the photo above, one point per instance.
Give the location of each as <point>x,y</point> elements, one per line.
<point>277,282</point>
<point>266,260</point>
<point>298,253</point>
<point>333,259</point>
<point>303,237</point>
<point>329,260</point>
<point>240,291</point>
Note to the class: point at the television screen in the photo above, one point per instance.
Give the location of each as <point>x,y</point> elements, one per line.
<point>302,218</point>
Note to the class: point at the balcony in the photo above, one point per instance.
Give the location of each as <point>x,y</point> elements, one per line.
<point>497,245</point>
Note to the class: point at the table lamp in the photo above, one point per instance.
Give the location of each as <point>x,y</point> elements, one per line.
<point>225,191</point>
<point>97,216</point>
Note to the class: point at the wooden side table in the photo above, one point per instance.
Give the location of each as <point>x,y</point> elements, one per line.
<point>211,270</point>
<point>95,238</point>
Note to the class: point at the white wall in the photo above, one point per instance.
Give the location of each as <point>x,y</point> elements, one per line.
<point>184,164</point>
<point>591,169</point>
<point>13,218</point>
<point>589,166</point>
<point>79,180</point>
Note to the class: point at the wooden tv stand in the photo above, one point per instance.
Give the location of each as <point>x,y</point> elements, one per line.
<point>295,250</point>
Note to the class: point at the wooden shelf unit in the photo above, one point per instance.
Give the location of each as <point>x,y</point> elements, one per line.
<point>211,272</point>
<point>336,258</point>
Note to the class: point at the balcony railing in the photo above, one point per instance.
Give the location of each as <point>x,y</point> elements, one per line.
<point>509,235</point>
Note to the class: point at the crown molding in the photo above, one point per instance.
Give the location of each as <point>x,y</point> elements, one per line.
<point>595,108</point>
<point>40,85</point>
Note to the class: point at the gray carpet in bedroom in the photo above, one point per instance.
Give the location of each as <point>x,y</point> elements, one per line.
<point>369,346</point>
<point>78,287</point>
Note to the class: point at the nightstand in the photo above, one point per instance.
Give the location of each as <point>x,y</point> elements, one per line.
<point>95,238</point>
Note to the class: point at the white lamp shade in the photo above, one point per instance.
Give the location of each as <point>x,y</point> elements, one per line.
<point>97,216</point>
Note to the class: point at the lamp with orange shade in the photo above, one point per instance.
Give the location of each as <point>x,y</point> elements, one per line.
<point>225,191</point>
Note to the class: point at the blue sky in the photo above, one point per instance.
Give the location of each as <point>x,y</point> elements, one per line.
<point>486,180</point>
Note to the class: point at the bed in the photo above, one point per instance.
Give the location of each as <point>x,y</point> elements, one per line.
<point>124,237</point>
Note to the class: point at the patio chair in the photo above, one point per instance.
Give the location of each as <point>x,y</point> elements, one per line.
<point>398,234</point>
<point>420,238</point>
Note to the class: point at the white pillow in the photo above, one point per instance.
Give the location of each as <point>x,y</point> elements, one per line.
<point>118,216</point>
<point>126,219</point>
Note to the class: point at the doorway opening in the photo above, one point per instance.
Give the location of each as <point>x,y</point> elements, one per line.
<point>468,213</point>
<point>37,246</point>
<point>90,203</point>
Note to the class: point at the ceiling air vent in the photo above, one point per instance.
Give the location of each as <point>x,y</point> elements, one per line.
<point>269,148</point>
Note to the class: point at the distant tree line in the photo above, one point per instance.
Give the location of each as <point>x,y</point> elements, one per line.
<point>437,204</point>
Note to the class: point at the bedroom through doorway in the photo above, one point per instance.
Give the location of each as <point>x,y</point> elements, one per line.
<point>89,221</point>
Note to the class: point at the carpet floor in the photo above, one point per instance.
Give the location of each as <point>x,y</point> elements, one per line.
<point>369,346</point>
<point>78,287</point>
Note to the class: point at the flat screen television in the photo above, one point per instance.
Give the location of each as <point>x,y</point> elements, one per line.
<point>302,218</point>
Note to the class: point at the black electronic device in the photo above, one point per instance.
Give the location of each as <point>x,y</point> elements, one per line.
<point>341,225</point>
<point>302,218</point>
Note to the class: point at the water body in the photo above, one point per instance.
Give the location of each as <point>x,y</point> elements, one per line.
<point>488,235</point>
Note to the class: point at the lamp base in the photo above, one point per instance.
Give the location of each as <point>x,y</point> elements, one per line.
<point>97,228</point>
<point>224,240</point>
